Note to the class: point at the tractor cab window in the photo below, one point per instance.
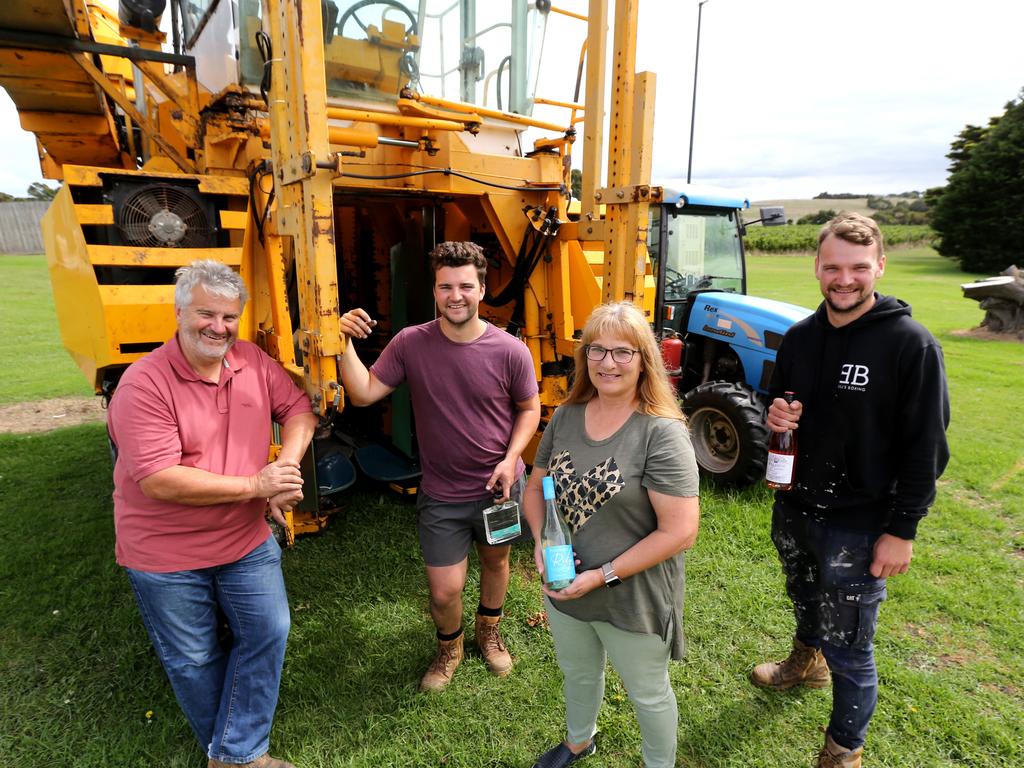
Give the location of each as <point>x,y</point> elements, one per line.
<point>194,14</point>
<point>698,248</point>
<point>483,52</point>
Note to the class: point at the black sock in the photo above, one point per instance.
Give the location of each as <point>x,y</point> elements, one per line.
<point>447,638</point>
<point>483,611</point>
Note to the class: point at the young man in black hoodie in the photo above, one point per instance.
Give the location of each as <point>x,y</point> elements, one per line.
<point>872,409</point>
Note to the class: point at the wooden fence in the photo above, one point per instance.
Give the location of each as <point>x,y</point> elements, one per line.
<point>19,226</point>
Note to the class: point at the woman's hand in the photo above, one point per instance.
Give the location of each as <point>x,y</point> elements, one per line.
<point>585,582</point>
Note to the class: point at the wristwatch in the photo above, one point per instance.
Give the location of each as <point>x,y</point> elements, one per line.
<point>610,579</point>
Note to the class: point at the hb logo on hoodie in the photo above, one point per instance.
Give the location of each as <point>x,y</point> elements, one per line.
<point>853,377</point>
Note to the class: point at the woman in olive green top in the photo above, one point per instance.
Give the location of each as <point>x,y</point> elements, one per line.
<point>626,481</point>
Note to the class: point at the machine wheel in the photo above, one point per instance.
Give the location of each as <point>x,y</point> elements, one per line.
<point>727,428</point>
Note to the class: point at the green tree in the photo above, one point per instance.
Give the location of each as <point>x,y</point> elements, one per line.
<point>576,181</point>
<point>821,217</point>
<point>39,191</point>
<point>981,210</point>
<point>5,198</point>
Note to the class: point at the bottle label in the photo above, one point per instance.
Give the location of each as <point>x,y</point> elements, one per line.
<point>780,468</point>
<point>558,563</point>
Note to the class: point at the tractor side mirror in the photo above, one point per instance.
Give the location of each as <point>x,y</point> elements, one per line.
<point>773,216</point>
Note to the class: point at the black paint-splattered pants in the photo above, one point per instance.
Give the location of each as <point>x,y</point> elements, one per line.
<point>835,600</point>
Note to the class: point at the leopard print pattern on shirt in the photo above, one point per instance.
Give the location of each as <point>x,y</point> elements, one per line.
<point>579,497</point>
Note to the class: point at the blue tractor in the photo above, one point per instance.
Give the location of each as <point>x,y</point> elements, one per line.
<point>718,343</point>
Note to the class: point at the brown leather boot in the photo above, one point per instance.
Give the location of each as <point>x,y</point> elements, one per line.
<point>441,669</point>
<point>263,761</point>
<point>492,647</point>
<point>804,666</point>
<point>834,756</point>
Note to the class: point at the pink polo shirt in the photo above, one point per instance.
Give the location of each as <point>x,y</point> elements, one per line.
<point>163,414</point>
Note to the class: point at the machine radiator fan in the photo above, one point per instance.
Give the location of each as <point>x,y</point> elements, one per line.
<point>162,216</point>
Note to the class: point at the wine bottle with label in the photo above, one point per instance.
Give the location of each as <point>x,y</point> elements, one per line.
<point>559,564</point>
<point>781,456</point>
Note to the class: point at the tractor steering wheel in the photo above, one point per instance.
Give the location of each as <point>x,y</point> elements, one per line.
<point>351,14</point>
<point>675,282</point>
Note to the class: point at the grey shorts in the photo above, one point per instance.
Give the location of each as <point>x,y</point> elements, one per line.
<point>448,529</point>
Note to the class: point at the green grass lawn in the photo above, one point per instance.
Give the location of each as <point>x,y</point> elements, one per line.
<point>35,364</point>
<point>80,686</point>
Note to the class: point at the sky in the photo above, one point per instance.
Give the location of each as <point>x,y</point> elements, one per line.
<point>794,97</point>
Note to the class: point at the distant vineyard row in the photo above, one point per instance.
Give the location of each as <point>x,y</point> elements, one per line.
<point>804,237</point>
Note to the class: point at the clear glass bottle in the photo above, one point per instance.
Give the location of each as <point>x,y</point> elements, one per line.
<point>781,456</point>
<point>559,561</point>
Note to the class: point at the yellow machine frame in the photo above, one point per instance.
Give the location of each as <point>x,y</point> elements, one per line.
<point>286,208</point>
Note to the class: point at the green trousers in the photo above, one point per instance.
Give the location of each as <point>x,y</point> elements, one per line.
<point>641,660</point>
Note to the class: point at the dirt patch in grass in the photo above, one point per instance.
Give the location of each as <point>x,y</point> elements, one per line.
<point>967,496</point>
<point>987,335</point>
<point>1009,690</point>
<point>45,415</point>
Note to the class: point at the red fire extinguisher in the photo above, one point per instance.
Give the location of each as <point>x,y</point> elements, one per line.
<point>672,354</point>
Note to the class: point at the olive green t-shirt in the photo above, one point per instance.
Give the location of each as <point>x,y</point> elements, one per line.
<point>601,489</point>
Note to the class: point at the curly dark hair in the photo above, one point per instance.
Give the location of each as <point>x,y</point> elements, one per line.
<point>459,254</point>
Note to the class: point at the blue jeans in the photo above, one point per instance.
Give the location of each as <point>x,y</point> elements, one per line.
<point>228,697</point>
<point>836,601</point>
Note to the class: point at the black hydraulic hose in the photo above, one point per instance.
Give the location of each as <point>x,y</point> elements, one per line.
<point>266,49</point>
<point>447,172</point>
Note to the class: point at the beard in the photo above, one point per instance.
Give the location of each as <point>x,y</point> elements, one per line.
<point>207,348</point>
<point>861,299</point>
<point>452,319</point>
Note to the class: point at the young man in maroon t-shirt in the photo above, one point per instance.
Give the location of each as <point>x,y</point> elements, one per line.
<point>474,393</point>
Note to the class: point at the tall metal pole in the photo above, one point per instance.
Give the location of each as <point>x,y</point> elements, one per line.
<point>693,107</point>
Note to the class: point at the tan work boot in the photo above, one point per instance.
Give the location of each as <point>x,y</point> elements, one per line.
<point>492,647</point>
<point>834,756</point>
<point>441,669</point>
<point>263,761</point>
<point>804,666</point>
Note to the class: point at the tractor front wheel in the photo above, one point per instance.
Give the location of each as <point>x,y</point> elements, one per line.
<point>728,432</point>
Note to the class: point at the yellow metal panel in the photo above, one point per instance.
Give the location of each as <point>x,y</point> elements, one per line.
<point>75,294</point>
<point>223,185</point>
<point>89,176</point>
<point>135,314</point>
<point>585,268</point>
<point>234,219</point>
<point>61,123</point>
<point>131,256</point>
<point>46,16</point>
<point>22,64</point>
<point>95,214</point>
<point>298,114</point>
<point>593,123</point>
<point>80,88</point>
<point>82,176</point>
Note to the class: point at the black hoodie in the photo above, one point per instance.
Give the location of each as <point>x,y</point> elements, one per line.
<point>871,441</point>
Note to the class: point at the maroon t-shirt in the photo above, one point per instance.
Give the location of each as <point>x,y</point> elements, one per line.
<point>163,414</point>
<point>464,397</point>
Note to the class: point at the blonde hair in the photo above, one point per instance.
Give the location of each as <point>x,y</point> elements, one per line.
<point>853,228</point>
<point>624,320</point>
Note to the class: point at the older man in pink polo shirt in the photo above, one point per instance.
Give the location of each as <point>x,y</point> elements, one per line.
<point>191,425</point>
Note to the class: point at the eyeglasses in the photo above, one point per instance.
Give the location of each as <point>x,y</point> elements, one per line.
<point>621,355</point>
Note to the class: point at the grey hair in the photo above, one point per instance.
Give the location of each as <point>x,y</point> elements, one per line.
<point>218,279</point>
